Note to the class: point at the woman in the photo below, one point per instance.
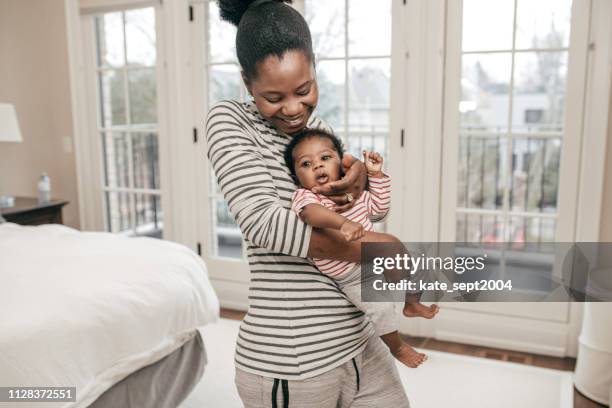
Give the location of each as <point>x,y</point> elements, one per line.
<point>300,333</point>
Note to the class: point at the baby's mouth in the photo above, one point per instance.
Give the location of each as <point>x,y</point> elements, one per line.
<point>322,178</point>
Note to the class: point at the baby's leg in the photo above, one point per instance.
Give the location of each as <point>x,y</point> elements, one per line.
<point>384,319</point>
<point>414,308</point>
<point>403,351</point>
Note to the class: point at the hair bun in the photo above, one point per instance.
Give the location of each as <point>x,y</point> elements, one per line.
<point>233,10</point>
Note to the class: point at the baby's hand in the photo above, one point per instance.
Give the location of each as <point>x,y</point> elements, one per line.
<point>352,231</point>
<point>373,161</point>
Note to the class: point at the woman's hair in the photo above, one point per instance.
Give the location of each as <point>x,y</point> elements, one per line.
<point>265,27</point>
<point>307,134</point>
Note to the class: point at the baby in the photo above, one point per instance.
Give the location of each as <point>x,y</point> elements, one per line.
<point>314,157</point>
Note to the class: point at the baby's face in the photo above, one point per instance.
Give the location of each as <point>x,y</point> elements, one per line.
<point>316,162</point>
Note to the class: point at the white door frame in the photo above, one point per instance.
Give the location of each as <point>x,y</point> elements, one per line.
<point>230,277</point>
<point>85,114</point>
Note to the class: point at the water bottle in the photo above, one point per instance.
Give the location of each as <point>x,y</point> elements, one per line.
<point>44,189</point>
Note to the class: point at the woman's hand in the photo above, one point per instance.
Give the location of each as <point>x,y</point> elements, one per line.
<point>348,189</point>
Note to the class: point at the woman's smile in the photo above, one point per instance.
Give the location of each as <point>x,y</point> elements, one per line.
<point>295,122</point>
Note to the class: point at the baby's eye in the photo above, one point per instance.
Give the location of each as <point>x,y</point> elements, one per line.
<point>306,164</point>
<point>326,157</point>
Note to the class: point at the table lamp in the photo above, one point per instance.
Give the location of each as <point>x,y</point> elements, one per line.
<point>9,132</point>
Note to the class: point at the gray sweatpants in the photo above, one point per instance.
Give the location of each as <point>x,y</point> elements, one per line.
<point>381,314</point>
<point>369,380</point>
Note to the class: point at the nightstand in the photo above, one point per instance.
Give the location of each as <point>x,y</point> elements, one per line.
<point>27,211</point>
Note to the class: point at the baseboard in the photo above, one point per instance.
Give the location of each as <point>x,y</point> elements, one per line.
<point>505,332</point>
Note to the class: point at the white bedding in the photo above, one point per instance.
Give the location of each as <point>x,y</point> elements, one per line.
<point>86,309</point>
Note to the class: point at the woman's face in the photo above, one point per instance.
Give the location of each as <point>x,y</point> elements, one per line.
<point>285,90</point>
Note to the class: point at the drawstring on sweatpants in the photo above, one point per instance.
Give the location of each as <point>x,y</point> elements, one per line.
<point>356,372</point>
<point>285,386</point>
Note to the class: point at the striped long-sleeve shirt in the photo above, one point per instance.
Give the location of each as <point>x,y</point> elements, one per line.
<point>298,324</point>
<point>375,202</point>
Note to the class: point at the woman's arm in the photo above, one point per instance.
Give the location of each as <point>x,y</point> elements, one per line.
<point>253,201</point>
<point>247,184</point>
<point>326,244</point>
<point>330,244</point>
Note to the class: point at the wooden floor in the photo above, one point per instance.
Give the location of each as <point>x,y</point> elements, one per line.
<point>566,364</point>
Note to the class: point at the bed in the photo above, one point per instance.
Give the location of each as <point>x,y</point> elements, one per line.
<point>115,317</point>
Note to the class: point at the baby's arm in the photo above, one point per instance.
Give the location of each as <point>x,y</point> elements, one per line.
<point>319,216</point>
<point>378,201</point>
<point>313,213</point>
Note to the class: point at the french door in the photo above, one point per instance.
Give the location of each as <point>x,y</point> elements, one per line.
<point>514,86</point>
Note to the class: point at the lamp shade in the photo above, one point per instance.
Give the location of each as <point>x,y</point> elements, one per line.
<point>9,127</point>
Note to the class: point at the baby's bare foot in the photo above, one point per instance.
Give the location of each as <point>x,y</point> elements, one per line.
<point>420,310</point>
<point>409,356</point>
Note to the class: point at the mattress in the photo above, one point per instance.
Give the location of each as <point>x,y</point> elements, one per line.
<point>163,384</point>
<point>86,309</point>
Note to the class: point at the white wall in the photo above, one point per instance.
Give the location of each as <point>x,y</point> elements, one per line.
<point>605,234</point>
<point>34,77</point>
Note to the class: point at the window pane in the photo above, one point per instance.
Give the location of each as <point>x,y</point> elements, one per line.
<point>140,36</point>
<point>326,22</point>
<point>535,175</point>
<point>485,88</point>
<point>369,88</point>
<point>118,212</point>
<point>539,94</point>
<point>359,140</point>
<point>116,152</point>
<point>142,96</point>
<point>128,98</point>
<point>529,264</point>
<point>225,82</point>
<point>112,92</point>
<point>213,187</point>
<point>369,28</point>
<point>109,36</point>
<point>532,230</point>
<point>227,234</point>
<point>543,23</point>
<point>368,120</point>
<point>222,44</point>
<point>331,82</point>
<point>487,25</point>
<point>481,167</point>
<point>145,158</point>
<point>149,216</point>
<point>479,228</point>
